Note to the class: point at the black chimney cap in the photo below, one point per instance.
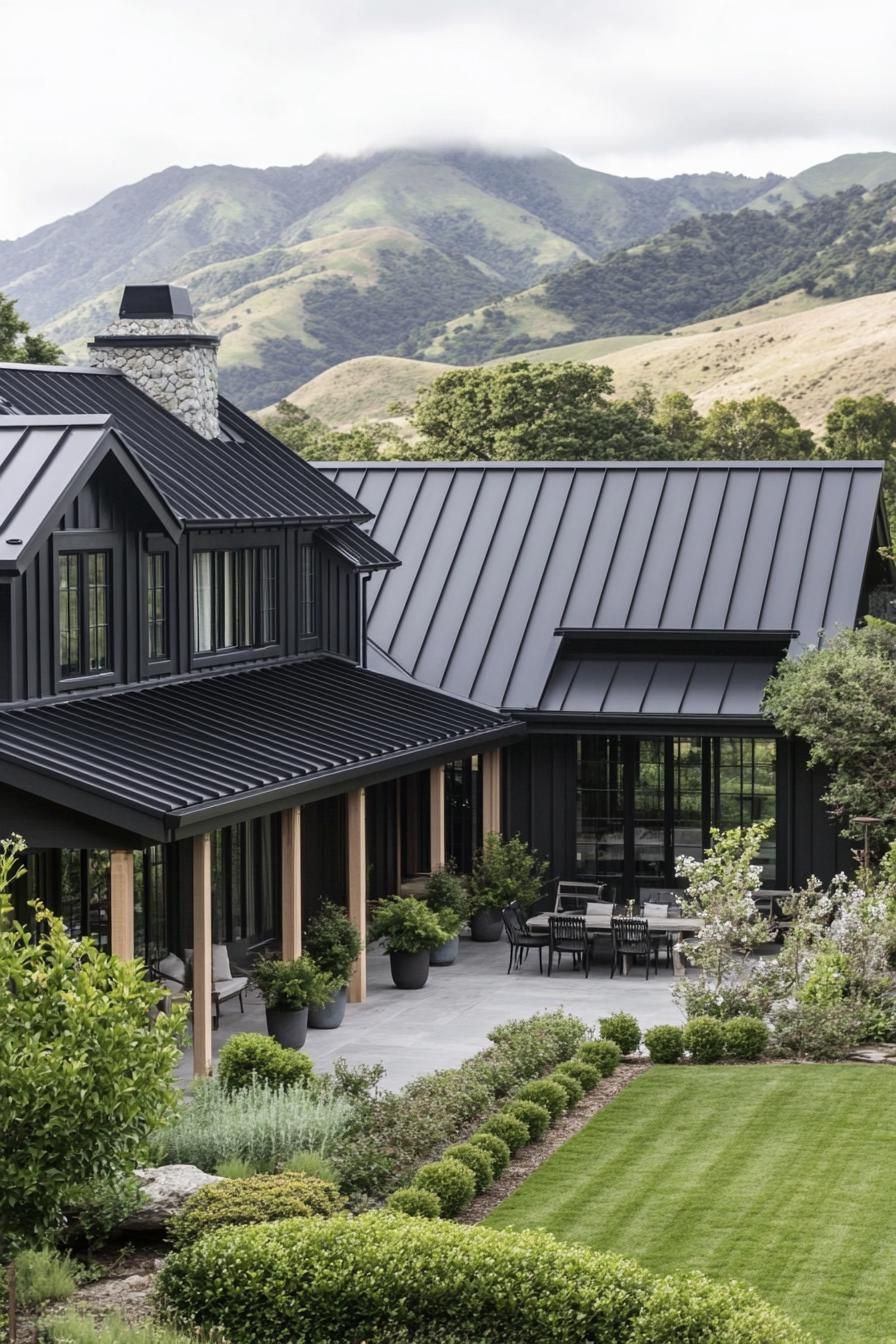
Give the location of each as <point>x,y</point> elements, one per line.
<point>155,301</point>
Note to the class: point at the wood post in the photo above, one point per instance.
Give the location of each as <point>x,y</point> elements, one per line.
<point>491,793</point>
<point>291,882</point>
<point>121,903</point>
<point>202,956</point>
<point>437,818</point>
<point>356,865</point>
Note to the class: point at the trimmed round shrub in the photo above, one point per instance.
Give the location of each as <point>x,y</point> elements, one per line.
<point>604,1055</point>
<point>571,1086</point>
<point>495,1147</point>
<point>379,1276</point>
<point>745,1037</point>
<point>453,1184</point>
<point>666,1044</point>
<point>415,1202</point>
<point>587,1075</point>
<point>507,1127</point>
<point>250,1055</point>
<point>545,1092</point>
<point>703,1040</point>
<point>623,1029</point>
<point>477,1159</point>
<point>536,1118</point>
<point>254,1199</point>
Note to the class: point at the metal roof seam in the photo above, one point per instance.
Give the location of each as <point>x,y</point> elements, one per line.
<point>774,550</point>
<point>734,582</point>
<point>674,565</point>
<point>419,566</point>
<point>843,517</point>
<point>602,479</point>
<point>646,550</point>
<point>619,530</point>
<point>396,548</point>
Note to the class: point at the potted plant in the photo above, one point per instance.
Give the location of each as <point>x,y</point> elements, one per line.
<point>503,871</point>
<point>289,989</point>
<point>446,896</point>
<point>410,931</point>
<point>334,944</point>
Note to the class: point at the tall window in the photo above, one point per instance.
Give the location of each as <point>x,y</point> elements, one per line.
<point>307,589</point>
<point>83,592</point>
<point>150,904</point>
<point>157,605</point>
<point>244,876</point>
<point>235,599</point>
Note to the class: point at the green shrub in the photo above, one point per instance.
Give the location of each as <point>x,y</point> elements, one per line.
<point>289,985</point>
<point>571,1086</point>
<point>406,925</point>
<point>536,1043</point>
<point>509,1128</point>
<point>415,1202</point>
<point>623,1029</point>
<point>43,1276</point>
<point>535,1117</point>
<point>586,1075</point>
<point>505,870</point>
<point>605,1055</point>
<point>312,1164</point>
<point>450,1181</point>
<point>249,1055</point>
<point>550,1094</point>
<point>819,1031</point>
<point>100,1206</point>
<point>495,1147</point>
<point>254,1199</point>
<point>703,1040</point>
<point>666,1044</point>
<point>477,1159</point>
<point>260,1125</point>
<point>333,942</point>
<point>70,1328</point>
<point>745,1037</point>
<point>446,895</point>
<point>235,1169</point>
<point>379,1278</point>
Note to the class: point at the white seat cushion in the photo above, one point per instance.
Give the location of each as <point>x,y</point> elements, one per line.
<point>656,911</point>
<point>220,962</point>
<point>172,972</point>
<point>599,908</point>
<point>233,985</point>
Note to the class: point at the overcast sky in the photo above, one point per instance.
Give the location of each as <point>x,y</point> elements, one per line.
<point>98,93</point>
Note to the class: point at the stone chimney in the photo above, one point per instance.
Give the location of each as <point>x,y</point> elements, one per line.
<point>158,345</point>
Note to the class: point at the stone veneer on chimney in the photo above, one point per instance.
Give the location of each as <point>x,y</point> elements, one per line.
<point>157,343</point>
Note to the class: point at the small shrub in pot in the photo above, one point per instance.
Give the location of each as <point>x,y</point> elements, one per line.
<point>745,1037</point>
<point>477,1159</point>
<point>334,944</point>
<point>503,871</point>
<point>604,1055</point>
<point>451,1181</point>
<point>509,1128</point>
<point>536,1118</point>
<point>415,1202</point>
<point>289,989</point>
<point>623,1029</point>
<point>547,1092</point>
<point>496,1148</point>
<point>571,1086</point>
<point>410,930</point>
<point>446,896</point>
<point>703,1040</point>
<point>666,1044</point>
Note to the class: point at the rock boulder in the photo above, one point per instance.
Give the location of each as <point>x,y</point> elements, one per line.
<point>164,1191</point>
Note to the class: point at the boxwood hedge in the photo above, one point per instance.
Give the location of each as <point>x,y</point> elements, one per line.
<point>254,1199</point>
<point>385,1279</point>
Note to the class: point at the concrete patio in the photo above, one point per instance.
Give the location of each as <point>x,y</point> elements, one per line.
<point>412,1032</point>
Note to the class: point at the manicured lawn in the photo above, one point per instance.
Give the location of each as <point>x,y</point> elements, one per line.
<point>783,1176</point>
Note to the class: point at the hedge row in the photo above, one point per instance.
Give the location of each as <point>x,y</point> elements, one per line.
<point>385,1279</point>
<point>708,1039</point>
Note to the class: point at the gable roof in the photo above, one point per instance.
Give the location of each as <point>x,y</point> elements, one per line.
<point>245,476</point>
<point>499,558</point>
<point>44,462</point>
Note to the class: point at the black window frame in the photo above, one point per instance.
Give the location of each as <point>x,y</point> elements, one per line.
<point>82,544</point>
<point>158,666</point>
<point>308,630</point>
<point>240,543</point>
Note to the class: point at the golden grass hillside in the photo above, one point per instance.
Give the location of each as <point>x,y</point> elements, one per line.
<point>364,389</point>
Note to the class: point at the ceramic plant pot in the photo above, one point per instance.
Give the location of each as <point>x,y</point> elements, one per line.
<point>410,970</point>
<point>288,1026</point>
<point>331,1014</point>
<point>486,925</point>
<point>446,953</point>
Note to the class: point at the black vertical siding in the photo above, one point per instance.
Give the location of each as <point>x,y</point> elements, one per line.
<point>339,624</point>
<point>323,854</point>
<point>540,798</point>
<point>382,839</point>
<point>816,846</point>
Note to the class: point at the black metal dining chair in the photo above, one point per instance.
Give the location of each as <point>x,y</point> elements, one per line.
<point>569,933</point>
<point>521,939</point>
<point>631,938</point>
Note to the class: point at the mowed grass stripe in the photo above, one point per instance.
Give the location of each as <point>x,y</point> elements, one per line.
<point>783,1176</point>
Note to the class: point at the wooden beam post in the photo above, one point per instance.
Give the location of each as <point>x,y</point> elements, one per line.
<point>437,818</point>
<point>491,792</point>
<point>121,903</point>
<point>291,882</point>
<point>356,865</point>
<point>202,956</point>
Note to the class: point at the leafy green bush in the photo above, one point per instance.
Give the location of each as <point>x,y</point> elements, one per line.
<point>253,1199</point>
<point>249,1055</point>
<point>546,1092</point>
<point>586,1075</point>
<point>496,1148</point>
<point>745,1037</point>
<point>312,1164</point>
<point>446,895</point>
<point>605,1055</point>
<point>332,942</point>
<point>477,1159</point>
<point>452,1182</point>
<point>703,1040</point>
<point>380,1278</point>
<point>504,871</point>
<point>415,1202</point>
<point>406,925</point>
<point>260,1125</point>
<point>290,985</point>
<point>571,1086</point>
<point>509,1128</point>
<point>43,1276</point>
<point>666,1044</point>
<point>100,1206</point>
<point>623,1029</point>
<point>70,1328</point>
<point>819,1031</point>
<point>536,1118</point>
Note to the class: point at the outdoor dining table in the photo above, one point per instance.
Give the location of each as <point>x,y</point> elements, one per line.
<point>656,924</point>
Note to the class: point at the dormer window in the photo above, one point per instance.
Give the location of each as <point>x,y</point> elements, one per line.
<point>83,589</point>
<point>236,601</point>
<point>157,606</point>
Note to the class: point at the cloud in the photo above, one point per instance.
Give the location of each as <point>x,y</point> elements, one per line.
<point>99,95</point>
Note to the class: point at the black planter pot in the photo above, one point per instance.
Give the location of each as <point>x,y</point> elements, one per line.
<point>331,1014</point>
<point>446,953</point>
<point>410,970</point>
<point>486,925</point>
<point>288,1026</point>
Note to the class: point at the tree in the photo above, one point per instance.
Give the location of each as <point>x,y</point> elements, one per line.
<point>841,700</point>
<point>759,429</point>
<point>532,412</point>
<point>18,344</point>
<point>85,1068</point>
<point>864,428</point>
<point>309,437</point>
<point>680,424</point>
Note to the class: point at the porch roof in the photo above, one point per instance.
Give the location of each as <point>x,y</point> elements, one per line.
<point>177,758</point>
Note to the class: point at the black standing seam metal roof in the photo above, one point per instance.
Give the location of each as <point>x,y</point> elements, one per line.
<point>246,476</point>
<point>354,545</point>
<point>497,556</point>
<point>203,747</point>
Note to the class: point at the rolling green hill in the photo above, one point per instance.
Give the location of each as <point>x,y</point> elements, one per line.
<point>825,179</point>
